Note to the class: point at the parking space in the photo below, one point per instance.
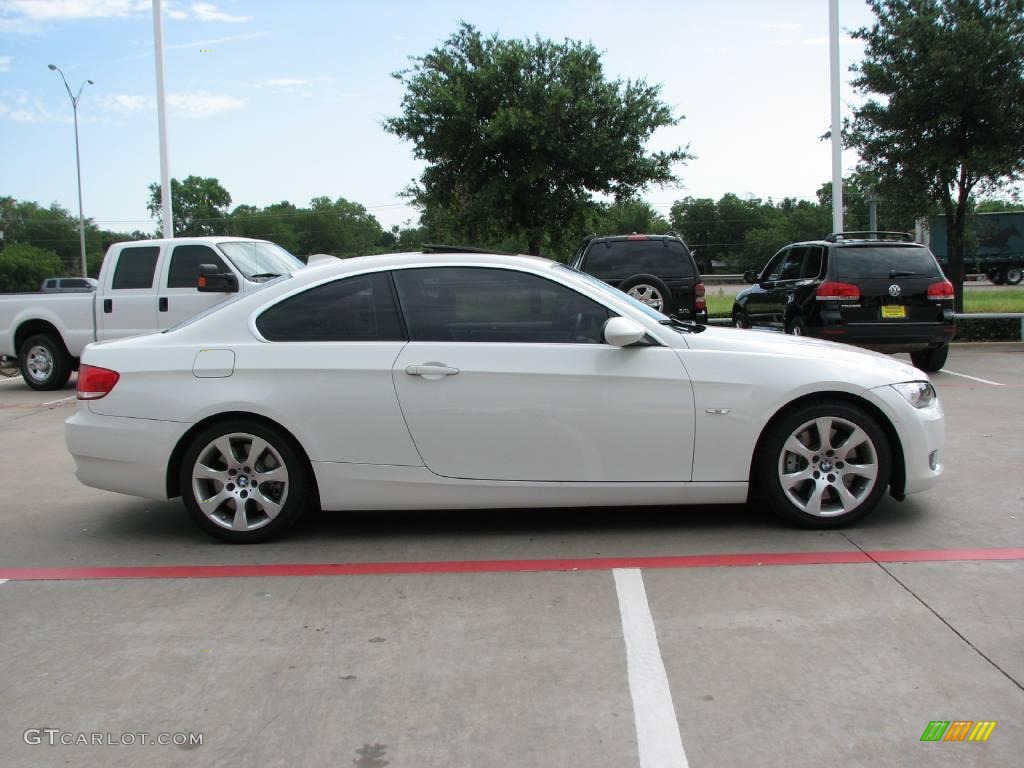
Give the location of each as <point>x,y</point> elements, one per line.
<point>505,637</point>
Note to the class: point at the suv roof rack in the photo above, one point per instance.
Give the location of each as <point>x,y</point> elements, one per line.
<point>870,235</point>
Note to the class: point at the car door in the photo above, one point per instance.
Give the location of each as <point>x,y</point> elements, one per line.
<point>179,298</point>
<point>506,376</point>
<point>759,308</point>
<point>127,306</point>
<point>781,283</point>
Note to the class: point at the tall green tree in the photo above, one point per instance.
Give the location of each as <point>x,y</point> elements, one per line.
<point>628,216</point>
<point>945,113</point>
<point>199,206</point>
<point>519,134</point>
<point>24,267</point>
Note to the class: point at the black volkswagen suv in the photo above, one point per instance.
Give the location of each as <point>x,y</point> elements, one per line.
<point>877,290</point>
<point>659,270</point>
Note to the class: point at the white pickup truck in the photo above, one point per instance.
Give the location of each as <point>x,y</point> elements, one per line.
<point>144,286</point>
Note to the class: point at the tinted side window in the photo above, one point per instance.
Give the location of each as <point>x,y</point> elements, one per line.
<point>791,265</point>
<point>135,267</point>
<point>774,268</point>
<point>74,282</point>
<point>812,264</point>
<point>622,258</point>
<point>357,308</point>
<point>185,261</point>
<point>495,305</point>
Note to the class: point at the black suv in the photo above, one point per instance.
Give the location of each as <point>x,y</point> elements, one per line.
<point>877,290</point>
<point>659,270</point>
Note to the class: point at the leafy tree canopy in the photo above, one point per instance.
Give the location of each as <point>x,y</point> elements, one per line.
<point>24,267</point>
<point>199,206</point>
<point>519,134</point>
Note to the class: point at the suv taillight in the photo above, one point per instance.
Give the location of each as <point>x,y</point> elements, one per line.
<point>701,304</point>
<point>95,382</point>
<point>939,291</point>
<point>831,291</point>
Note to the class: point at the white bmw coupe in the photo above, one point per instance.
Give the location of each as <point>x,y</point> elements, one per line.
<point>484,381</point>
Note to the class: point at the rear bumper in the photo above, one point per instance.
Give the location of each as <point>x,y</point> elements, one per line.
<point>889,337</point>
<point>121,454</point>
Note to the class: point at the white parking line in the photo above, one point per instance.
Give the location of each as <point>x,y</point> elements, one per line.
<point>972,378</point>
<point>62,400</point>
<point>657,731</point>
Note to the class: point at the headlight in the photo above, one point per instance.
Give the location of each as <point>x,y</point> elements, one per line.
<point>919,394</point>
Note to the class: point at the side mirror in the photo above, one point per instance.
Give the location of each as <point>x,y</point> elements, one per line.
<point>212,281</point>
<point>621,331</point>
<point>750,276</point>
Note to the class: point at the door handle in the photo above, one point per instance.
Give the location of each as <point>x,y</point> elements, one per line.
<point>162,304</point>
<point>431,370</point>
<point>108,306</point>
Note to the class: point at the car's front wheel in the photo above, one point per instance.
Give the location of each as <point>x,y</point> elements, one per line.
<point>243,482</point>
<point>825,465</point>
<point>1014,275</point>
<point>739,318</point>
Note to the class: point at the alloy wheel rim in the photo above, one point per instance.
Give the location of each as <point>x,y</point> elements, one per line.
<point>39,363</point>
<point>649,295</point>
<point>828,467</point>
<point>240,481</point>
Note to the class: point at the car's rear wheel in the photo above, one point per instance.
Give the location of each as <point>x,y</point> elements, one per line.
<point>650,290</point>
<point>243,482</point>
<point>1014,276</point>
<point>825,465</point>
<point>796,327</point>
<point>930,360</point>
<point>44,363</point>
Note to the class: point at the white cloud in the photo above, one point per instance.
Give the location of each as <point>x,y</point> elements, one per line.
<point>202,104</point>
<point>782,26</point>
<point>23,107</point>
<point>123,102</point>
<point>281,82</point>
<point>210,12</point>
<point>215,41</point>
<point>5,63</point>
<point>58,10</point>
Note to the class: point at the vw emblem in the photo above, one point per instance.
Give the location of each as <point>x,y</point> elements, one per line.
<point>894,290</point>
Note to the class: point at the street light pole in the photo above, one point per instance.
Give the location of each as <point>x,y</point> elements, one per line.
<point>78,162</point>
<point>837,126</point>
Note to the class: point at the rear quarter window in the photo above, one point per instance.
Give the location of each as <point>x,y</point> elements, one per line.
<point>869,262</point>
<point>622,258</point>
<point>135,267</point>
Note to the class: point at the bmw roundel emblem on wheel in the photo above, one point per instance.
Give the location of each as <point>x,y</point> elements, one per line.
<point>474,381</point>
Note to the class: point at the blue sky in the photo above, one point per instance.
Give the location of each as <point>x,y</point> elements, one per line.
<point>283,100</point>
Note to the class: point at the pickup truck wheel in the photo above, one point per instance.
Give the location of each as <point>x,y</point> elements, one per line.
<point>1013,276</point>
<point>43,362</point>
<point>825,465</point>
<point>243,482</point>
<point>930,360</point>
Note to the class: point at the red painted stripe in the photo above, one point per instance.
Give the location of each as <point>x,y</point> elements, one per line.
<point>851,557</point>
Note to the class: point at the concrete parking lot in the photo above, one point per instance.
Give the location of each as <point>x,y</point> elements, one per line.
<point>548,637</point>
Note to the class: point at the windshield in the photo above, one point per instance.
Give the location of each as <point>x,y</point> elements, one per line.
<point>621,296</point>
<point>258,260</point>
<point>858,262</point>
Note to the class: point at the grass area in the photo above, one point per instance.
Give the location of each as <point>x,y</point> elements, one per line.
<point>975,300</point>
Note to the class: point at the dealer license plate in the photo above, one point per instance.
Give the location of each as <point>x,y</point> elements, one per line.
<point>894,311</point>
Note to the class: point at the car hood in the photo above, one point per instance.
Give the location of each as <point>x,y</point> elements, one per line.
<point>859,365</point>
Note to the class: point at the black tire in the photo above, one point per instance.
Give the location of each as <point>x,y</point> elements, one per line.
<point>1014,276</point>
<point>295,499</point>
<point>739,318</point>
<point>998,276</point>
<point>773,453</point>
<point>930,360</point>
<point>638,281</point>
<point>796,327</point>
<point>44,363</point>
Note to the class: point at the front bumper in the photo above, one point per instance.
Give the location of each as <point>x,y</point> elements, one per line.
<point>922,434</point>
<point>121,454</point>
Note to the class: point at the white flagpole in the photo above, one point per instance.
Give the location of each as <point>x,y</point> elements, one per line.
<point>837,126</point>
<point>161,111</point>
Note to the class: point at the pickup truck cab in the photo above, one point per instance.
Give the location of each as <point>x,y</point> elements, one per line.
<point>144,286</point>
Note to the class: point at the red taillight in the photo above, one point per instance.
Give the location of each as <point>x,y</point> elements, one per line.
<point>943,290</point>
<point>94,382</point>
<point>698,290</point>
<point>701,305</point>
<point>830,291</point>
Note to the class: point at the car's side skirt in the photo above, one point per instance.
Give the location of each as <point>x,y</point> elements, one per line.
<point>373,486</point>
